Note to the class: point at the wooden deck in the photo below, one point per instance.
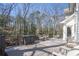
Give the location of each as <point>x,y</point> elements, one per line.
<point>44,48</point>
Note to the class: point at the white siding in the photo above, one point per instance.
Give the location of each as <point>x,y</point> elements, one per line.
<point>77,22</point>
<point>77,29</point>
<point>64,32</point>
<point>71,24</point>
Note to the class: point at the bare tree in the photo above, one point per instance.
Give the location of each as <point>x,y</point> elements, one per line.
<point>21,23</point>
<point>25,10</point>
<point>49,19</point>
<point>5,11</point>
<point>55,18</point>
<point>22,14</point>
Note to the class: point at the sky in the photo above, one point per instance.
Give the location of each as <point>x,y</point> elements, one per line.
<point>44,7</point>
<point>48,7</point>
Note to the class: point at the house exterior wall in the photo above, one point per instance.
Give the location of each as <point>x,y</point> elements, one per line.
<point>74,25</point>
<point>64,32</point>
<point>70,24</point>
<point>73,22</point>
<point>77,22</point>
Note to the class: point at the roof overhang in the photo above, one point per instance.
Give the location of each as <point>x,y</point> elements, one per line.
<point>68,19</point>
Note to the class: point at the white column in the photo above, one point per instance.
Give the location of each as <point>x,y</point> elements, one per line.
<point>75,27</point>
<point>77,6</point>
<point>64,32</point>
<point>72,31</point>
<point>77,22</point>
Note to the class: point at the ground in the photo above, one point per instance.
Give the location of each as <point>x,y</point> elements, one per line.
<point>44,48</point>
